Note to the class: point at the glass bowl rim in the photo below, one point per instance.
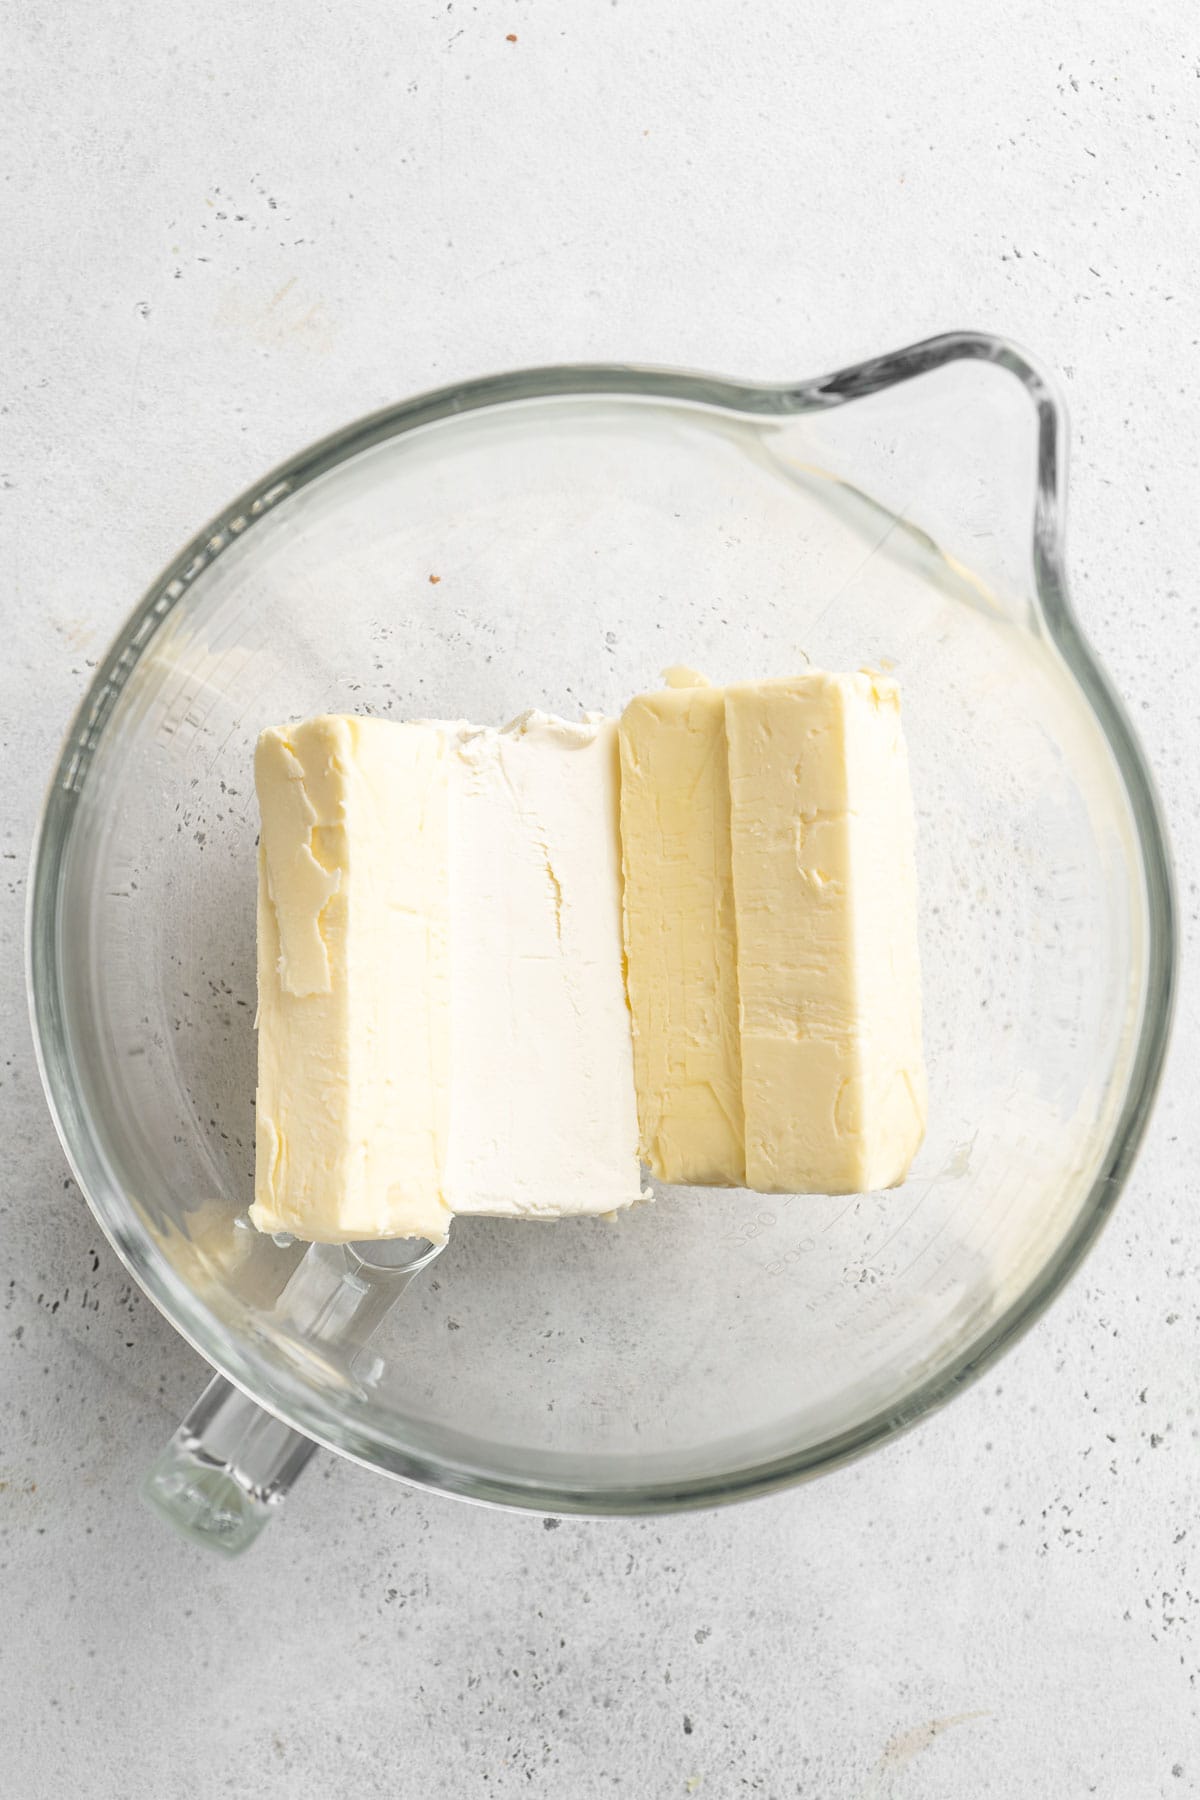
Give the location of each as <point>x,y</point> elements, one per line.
<point>305,1409</point>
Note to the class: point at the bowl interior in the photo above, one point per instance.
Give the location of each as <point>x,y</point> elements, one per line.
<point>560,552</point>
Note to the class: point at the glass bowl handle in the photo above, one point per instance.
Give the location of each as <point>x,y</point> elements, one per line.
<point>226,1469</point>
<point>231,1463</point>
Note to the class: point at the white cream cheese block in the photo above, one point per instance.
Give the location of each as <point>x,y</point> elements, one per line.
<point>543,1112</point>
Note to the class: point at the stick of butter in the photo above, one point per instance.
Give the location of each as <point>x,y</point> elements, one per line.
<point>770,934</point>
<point>680,935</point>
<point>824,877</point>
<point>353,980</point>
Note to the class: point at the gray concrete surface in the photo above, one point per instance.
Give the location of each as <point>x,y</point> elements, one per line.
<point>228,229</point>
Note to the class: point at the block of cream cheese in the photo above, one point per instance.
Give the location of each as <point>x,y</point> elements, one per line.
<point>354,1059</point>
<point>821,827</point>
<point>680,933</point>
<point>442,1017</point>
<point>543,1113</point>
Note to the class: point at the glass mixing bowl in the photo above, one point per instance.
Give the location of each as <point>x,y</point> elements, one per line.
<point>555,538</point>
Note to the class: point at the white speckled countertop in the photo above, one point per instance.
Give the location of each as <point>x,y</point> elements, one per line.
<point>233,228</point>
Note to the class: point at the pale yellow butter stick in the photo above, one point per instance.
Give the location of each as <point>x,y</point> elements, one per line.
<point>680,937</point>
<point>833,1080</point>
<point>354,980</point>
